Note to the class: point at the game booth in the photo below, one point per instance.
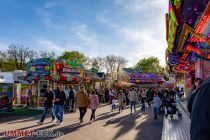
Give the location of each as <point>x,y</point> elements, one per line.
<point>6,91</point>
<point>46,71</point>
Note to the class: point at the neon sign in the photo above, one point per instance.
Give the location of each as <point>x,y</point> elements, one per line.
<point>204,20</point>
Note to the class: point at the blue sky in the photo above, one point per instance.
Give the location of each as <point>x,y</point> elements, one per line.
<point>134,29</point>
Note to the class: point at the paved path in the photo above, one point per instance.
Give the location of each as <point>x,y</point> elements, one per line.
<point>109,126</point>
<point>177,129</point>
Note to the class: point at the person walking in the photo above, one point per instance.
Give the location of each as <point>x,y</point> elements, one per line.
<point>60,98</point>
<point>143,100</point>
<point>48,105</point>
<point>121,100</point>
<point>126,95</point>
<point>156,105</point>
<point>94,104</point>
<point>133,98</point>
<point>200,115</point>
<point>82,102</point>
<point>72,97</point>
<point>149,97</point>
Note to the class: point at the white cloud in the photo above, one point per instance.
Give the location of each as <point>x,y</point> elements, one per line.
<point>50,45</point>
<point>88,39</point>
<point>46,14</point>
<point>140,5</point>
<point>142,45</point>
<point>133,40</point>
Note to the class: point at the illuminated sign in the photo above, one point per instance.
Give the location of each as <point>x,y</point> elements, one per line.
<point>172,27</point>
<point>204,20</point>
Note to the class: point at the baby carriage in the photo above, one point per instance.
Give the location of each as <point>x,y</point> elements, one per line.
<point>171,109</point>
<point>69,106</point>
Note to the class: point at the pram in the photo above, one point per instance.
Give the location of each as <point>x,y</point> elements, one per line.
<point>172,109</point>
<point>69,106</point>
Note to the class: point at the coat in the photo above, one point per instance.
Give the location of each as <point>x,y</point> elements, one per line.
<point>94,102</point>
<point>200,115</point>
<point>82,99</point>
<point>121,99</point>
<point>156,102</point>
<point>190,101</point>
<point>133,96</point>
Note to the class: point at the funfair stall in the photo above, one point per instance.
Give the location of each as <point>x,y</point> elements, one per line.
<point>188,37</point>
<point>46,71</point>
<point>6,91</point>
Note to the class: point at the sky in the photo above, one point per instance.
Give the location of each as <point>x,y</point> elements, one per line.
<point>134,29</point>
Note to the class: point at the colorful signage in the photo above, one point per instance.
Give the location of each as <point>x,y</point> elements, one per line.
<point>6,96</point>
<point>71,70</point>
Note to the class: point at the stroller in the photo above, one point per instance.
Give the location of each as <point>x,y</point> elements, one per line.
<point>171,109</point>
<point>69,106</point>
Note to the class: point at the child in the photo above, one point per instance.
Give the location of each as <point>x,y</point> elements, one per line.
<point>114,101</point>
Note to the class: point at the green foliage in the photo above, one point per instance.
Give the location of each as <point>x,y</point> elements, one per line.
<point>150,65</point>
<point>74,56</point>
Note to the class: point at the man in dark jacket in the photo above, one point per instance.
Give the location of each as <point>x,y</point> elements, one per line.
<point>60,98</point>
<point>197,82</point>
<point>200,116</point>
<point>48,105</point>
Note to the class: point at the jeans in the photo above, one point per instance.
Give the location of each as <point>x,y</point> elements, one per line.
<point>156,110</point>
<point>83,111</point>
<point>59,110</point>
<point>143,107</point>
<point>93,115</point>
<point>113,107</point>
<point>133,104</point>
<point>46,108</point>
<point>72,105</point>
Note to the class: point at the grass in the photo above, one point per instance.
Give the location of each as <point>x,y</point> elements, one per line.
<point>22,111</point>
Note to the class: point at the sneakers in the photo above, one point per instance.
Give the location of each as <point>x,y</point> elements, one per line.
<point>40,123</point>
<point>53,121</point>
<point>57,123</point>
<point>61,123</point>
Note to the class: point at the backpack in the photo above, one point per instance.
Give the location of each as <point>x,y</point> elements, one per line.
<point>71,94</point>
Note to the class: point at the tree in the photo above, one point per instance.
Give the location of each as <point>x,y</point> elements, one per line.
<point>150,65</point>
<point>120,63</point>
<point>3,58</point>
<point>18,56</point>
<point>47,54</point>
<point>98,62</point>
<point>74,56</point>
<point>110,63</point>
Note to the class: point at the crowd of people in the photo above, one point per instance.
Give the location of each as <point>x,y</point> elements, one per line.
<point>68,100</point>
